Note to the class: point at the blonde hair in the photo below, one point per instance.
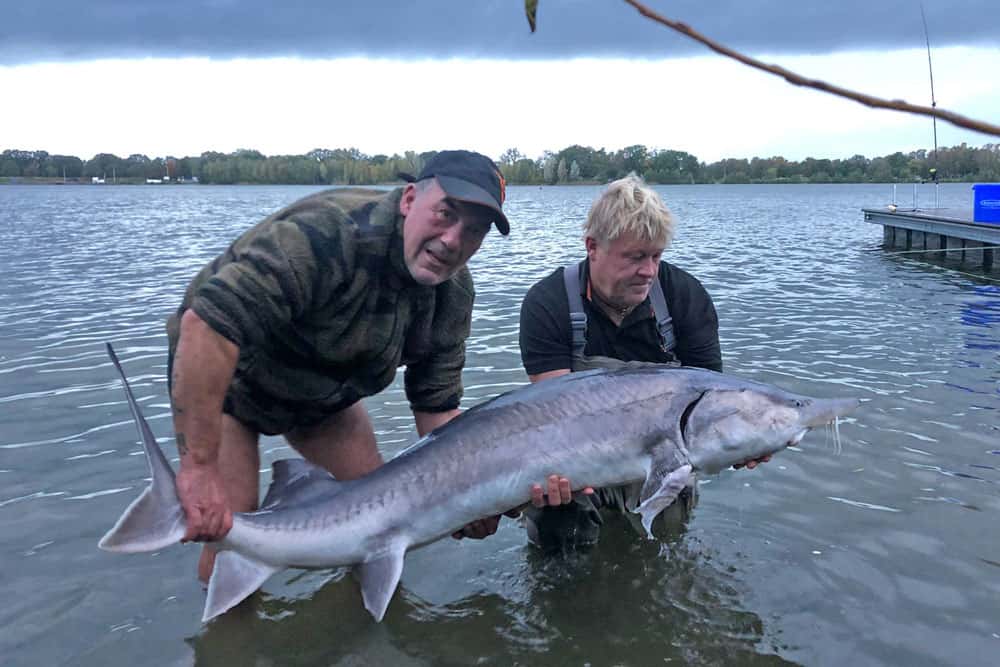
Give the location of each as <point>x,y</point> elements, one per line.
<point>629,206</point>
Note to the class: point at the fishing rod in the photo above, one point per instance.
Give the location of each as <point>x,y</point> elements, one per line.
<point>930,69</point>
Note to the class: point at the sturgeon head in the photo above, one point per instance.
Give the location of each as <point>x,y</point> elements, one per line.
<point>735,421</point>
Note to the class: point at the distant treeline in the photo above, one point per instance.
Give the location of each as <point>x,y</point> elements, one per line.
<point>575,164</point>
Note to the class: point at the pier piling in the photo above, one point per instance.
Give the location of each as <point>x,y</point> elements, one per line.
<point>958,236</point>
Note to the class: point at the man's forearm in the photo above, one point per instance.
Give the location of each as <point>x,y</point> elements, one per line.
<point>428,421</point>
<point>202,370</point>
<point>559,372</point>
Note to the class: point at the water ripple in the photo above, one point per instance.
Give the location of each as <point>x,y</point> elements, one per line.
<point>806,298</point>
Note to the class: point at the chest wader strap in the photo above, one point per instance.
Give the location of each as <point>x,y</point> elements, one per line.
<point>664,323</point>
<point>577,318</point>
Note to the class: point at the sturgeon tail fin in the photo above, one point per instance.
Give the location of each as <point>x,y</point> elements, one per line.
<point>154,519</point>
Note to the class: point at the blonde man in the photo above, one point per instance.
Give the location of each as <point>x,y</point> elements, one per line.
<point>622,303</point>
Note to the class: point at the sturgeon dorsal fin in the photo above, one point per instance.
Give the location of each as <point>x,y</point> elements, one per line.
<point>294,481</point>
<point>659,491</point>
<point>379,577</point>
<point>234,578</point>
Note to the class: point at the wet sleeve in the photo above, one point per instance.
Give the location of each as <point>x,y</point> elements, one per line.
<point>698,328</point>
<point>545,335</point>
<point>272,279</point>
<point>565,527</point>
<point>434,382</point>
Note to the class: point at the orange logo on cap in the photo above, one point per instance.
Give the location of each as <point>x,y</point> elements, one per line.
<point>503,186</point>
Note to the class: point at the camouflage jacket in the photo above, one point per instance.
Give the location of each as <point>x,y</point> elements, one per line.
<point>320,302</point>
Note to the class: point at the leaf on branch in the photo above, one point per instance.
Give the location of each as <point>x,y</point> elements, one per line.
<point>530,9</point>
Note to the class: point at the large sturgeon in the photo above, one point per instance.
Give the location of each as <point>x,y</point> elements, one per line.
<point>598,428</point>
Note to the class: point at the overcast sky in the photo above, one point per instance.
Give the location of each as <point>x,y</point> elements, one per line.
<point>182,77</point>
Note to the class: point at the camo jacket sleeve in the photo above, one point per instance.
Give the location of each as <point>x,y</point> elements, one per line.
<point>433,381</point>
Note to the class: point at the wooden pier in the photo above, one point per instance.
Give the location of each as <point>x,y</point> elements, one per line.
<point>948,231</point>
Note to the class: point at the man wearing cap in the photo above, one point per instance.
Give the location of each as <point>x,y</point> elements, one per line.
<point>314,309</point>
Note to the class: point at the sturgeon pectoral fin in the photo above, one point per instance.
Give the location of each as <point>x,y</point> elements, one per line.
<point>379,578</point>
<point>234,579</point>
<point>660,493</point>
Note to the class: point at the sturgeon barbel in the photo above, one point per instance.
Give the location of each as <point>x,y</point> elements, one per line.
<point>654,425</point>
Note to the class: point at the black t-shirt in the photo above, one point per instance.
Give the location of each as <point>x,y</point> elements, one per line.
<point>546,337</point>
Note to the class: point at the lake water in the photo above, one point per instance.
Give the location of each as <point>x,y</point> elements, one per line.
<point>887,552</point>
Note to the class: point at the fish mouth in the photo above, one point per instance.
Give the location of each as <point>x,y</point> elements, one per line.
<point>797,438</point>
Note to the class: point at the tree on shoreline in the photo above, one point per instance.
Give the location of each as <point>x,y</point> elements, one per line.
<point>573,164</point>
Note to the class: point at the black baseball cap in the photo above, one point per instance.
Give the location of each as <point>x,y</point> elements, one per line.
<point>468,177</point>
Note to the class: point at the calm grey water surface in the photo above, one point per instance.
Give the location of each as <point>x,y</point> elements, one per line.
<point>885,553</point>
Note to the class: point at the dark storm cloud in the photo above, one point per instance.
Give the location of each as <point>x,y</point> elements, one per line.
<point>85,29</point>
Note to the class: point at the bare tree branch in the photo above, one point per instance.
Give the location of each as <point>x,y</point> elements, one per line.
<point>799,80</point>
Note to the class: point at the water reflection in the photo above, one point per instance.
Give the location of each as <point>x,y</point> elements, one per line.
<point>882,553</point>
<point>982,313</point>
<point>625,602</point>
